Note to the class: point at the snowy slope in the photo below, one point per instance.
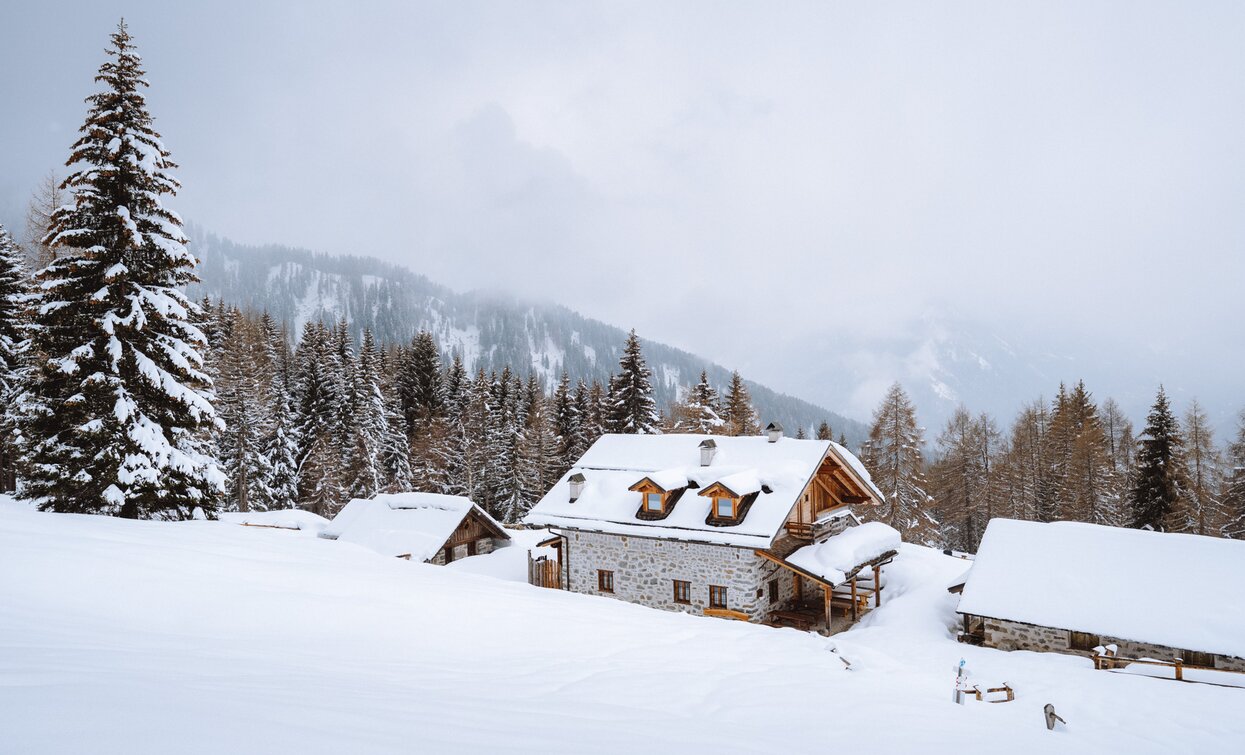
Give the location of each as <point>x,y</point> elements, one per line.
<point>205,637</point>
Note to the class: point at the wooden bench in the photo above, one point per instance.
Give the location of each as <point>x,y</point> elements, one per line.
<point>802,620</point>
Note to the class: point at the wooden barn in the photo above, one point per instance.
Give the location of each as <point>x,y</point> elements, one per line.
<point>427,527</point>
<point>1121,596</point>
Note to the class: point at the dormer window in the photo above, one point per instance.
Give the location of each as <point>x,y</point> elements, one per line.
<point>659,492</point>
<point>731,497</point>
<point>653,502</point>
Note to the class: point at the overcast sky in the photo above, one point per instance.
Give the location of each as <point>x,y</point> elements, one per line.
<point>719,176</point>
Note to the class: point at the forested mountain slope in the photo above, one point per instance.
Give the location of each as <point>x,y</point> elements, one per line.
<point>489,330</point>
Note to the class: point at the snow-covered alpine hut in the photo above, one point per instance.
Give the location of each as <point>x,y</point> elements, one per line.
<point>1071,587</point>
<point>418,526</point>
<point>756,528</point>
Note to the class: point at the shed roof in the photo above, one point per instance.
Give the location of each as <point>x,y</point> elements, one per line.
<point>1162,588</point>
<point>396,524</point>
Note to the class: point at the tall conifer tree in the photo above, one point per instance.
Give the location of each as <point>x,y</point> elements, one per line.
<point>894,458</point>
<point>119,400</point>
<point>633,410</point>
<point>15,301</point>
<point>1160,476</point>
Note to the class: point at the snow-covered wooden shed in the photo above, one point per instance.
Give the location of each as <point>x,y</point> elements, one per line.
<point>417,526</point>
<point>1070,587</point>
<point>750,528</point>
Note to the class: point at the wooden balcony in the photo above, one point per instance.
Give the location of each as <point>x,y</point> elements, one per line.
<point>800,530</point>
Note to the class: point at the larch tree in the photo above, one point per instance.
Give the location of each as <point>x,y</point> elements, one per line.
<point>633,410</point>
<point>1160,479</point>
<point>894,458</point>
<point>1200,511</point>
<point>741,417</point>
<point>118,405</point>
<point>824,432</point>
<point>47,198</point>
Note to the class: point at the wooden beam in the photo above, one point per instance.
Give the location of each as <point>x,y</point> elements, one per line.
<point>825,591</point>
<point>853,599</point>
<point>877,585</point>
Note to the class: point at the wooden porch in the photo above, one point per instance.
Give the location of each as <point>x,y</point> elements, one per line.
<point>819,606</point>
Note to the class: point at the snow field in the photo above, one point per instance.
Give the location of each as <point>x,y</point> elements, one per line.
<point>138,636</point>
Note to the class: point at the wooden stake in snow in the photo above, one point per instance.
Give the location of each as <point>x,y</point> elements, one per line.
<point>1052,716</point>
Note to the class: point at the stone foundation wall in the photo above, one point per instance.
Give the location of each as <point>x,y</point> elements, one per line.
<point>1015,635</point>
<point>483,545</point>
<point>645,570</point>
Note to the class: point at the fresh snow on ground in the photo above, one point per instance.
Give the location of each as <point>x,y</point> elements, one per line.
<point>124,636</point>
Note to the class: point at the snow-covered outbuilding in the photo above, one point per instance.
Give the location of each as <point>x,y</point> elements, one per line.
<point>758,528</point>
<point>417,526</point>
<point>1070,587</point>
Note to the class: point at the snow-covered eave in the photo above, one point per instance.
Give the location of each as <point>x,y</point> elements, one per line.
<point>682,534</point>
<point>880,560</point>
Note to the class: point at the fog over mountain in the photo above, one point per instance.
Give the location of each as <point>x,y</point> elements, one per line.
<point>978,200</point>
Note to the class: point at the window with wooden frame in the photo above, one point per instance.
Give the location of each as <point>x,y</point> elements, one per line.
<point>1083,641</point>
<point>605,580</point>
<point>724,508</point>
<point>717,596</point>
<point>773,591</point>
<point>1195,658</point>
<point>682,591</point>
<point>654,502</point>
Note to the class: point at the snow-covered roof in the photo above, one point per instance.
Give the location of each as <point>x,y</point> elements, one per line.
<point>1162,588</point>
<point>835,557</point>
<point>616,462</point>
<point>289,519</point>
<point>396,524</point>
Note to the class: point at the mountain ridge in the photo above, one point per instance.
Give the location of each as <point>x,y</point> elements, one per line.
<point>488,329</point>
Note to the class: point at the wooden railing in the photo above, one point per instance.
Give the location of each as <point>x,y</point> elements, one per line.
<point>800,530</point>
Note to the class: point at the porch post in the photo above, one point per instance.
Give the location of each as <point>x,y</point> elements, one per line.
<point>825,591</point>
<point>877,585</point>
<point>853,599</point>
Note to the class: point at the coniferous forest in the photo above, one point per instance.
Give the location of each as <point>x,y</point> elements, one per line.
<point>122,396</point>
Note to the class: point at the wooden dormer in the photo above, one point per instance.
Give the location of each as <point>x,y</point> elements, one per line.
<point>655,501</point>
<point>726,507</point>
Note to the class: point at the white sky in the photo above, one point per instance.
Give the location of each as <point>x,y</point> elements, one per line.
<point>736,179</point>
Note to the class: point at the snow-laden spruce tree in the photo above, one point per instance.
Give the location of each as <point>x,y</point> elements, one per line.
<point>118,405</point>
<point>241,401</point>
<point>14,302</point>
<point>280,446</point>
<point>894,459</point>
<point>368,423</point>
<point>632,409</point>
<point>701,411</point>
<point>1160,479</point>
